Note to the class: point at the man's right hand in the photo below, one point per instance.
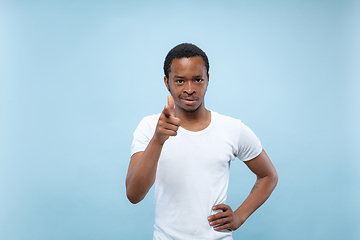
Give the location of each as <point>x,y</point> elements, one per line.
<point>143,165</point>
<point>168,124</point>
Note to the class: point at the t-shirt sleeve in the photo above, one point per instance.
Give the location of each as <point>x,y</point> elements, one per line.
<point>249,145</point>
<point>143,135</point>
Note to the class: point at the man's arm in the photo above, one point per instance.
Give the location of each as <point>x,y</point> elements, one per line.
<point>265,183</point>
<point>142,168</point>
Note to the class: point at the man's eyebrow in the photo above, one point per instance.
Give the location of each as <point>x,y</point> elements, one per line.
<point>198,76</point>
<point>177,76</point>
<point>182,77</point>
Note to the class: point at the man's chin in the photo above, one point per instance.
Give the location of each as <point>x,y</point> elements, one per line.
<point>190,110</point>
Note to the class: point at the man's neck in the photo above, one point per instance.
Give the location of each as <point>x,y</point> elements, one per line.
<point>194,121</point>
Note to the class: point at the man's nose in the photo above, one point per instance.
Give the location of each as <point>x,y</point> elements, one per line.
<point>189,88</point>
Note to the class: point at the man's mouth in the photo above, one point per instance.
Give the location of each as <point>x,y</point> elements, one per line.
<point>189,100</point>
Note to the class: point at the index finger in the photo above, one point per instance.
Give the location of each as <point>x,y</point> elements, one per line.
<point>170,101</point>
<point>167,111</point>
<point>171,104</point>
<point>221,206</point>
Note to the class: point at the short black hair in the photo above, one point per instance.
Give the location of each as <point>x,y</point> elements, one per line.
<point>184,50</point>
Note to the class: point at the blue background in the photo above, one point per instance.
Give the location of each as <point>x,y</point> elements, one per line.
<point>76,77</point>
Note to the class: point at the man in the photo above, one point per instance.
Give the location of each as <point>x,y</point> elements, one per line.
<point>187,149</point>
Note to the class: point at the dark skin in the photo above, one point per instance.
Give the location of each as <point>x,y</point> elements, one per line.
<point>187,83</point>
<point>266,181</point>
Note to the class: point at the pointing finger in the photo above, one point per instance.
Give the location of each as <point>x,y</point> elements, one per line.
<point>171,104</point>
<point>167,111</point>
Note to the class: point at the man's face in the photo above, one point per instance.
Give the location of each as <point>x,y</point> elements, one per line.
<point>187,83</point>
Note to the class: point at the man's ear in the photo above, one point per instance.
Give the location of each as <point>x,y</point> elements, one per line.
<point>166,81</point>
<point>207,82</point>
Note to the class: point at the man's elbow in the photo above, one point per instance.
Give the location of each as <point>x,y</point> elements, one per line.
<point>134,199</point>
<point>274,178</point>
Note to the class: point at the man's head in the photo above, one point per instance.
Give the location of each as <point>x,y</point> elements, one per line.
<point>186,77</point>
<point>182,50</point>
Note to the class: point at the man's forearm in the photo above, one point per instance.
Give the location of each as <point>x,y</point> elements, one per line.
<point>142,174</point>
<point>258,195</point>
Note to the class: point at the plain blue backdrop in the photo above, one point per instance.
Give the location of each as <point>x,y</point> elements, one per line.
<point>76,77</point>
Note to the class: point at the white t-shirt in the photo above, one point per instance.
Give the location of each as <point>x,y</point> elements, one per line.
<point>193,174</point>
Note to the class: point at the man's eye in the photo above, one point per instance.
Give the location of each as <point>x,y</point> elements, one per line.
<point>199,80</point>
<point>179,81</point>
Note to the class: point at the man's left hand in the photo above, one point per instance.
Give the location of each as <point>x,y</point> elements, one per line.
<point>226,219</point>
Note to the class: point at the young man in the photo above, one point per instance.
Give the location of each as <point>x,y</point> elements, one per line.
<point>187,149</point>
